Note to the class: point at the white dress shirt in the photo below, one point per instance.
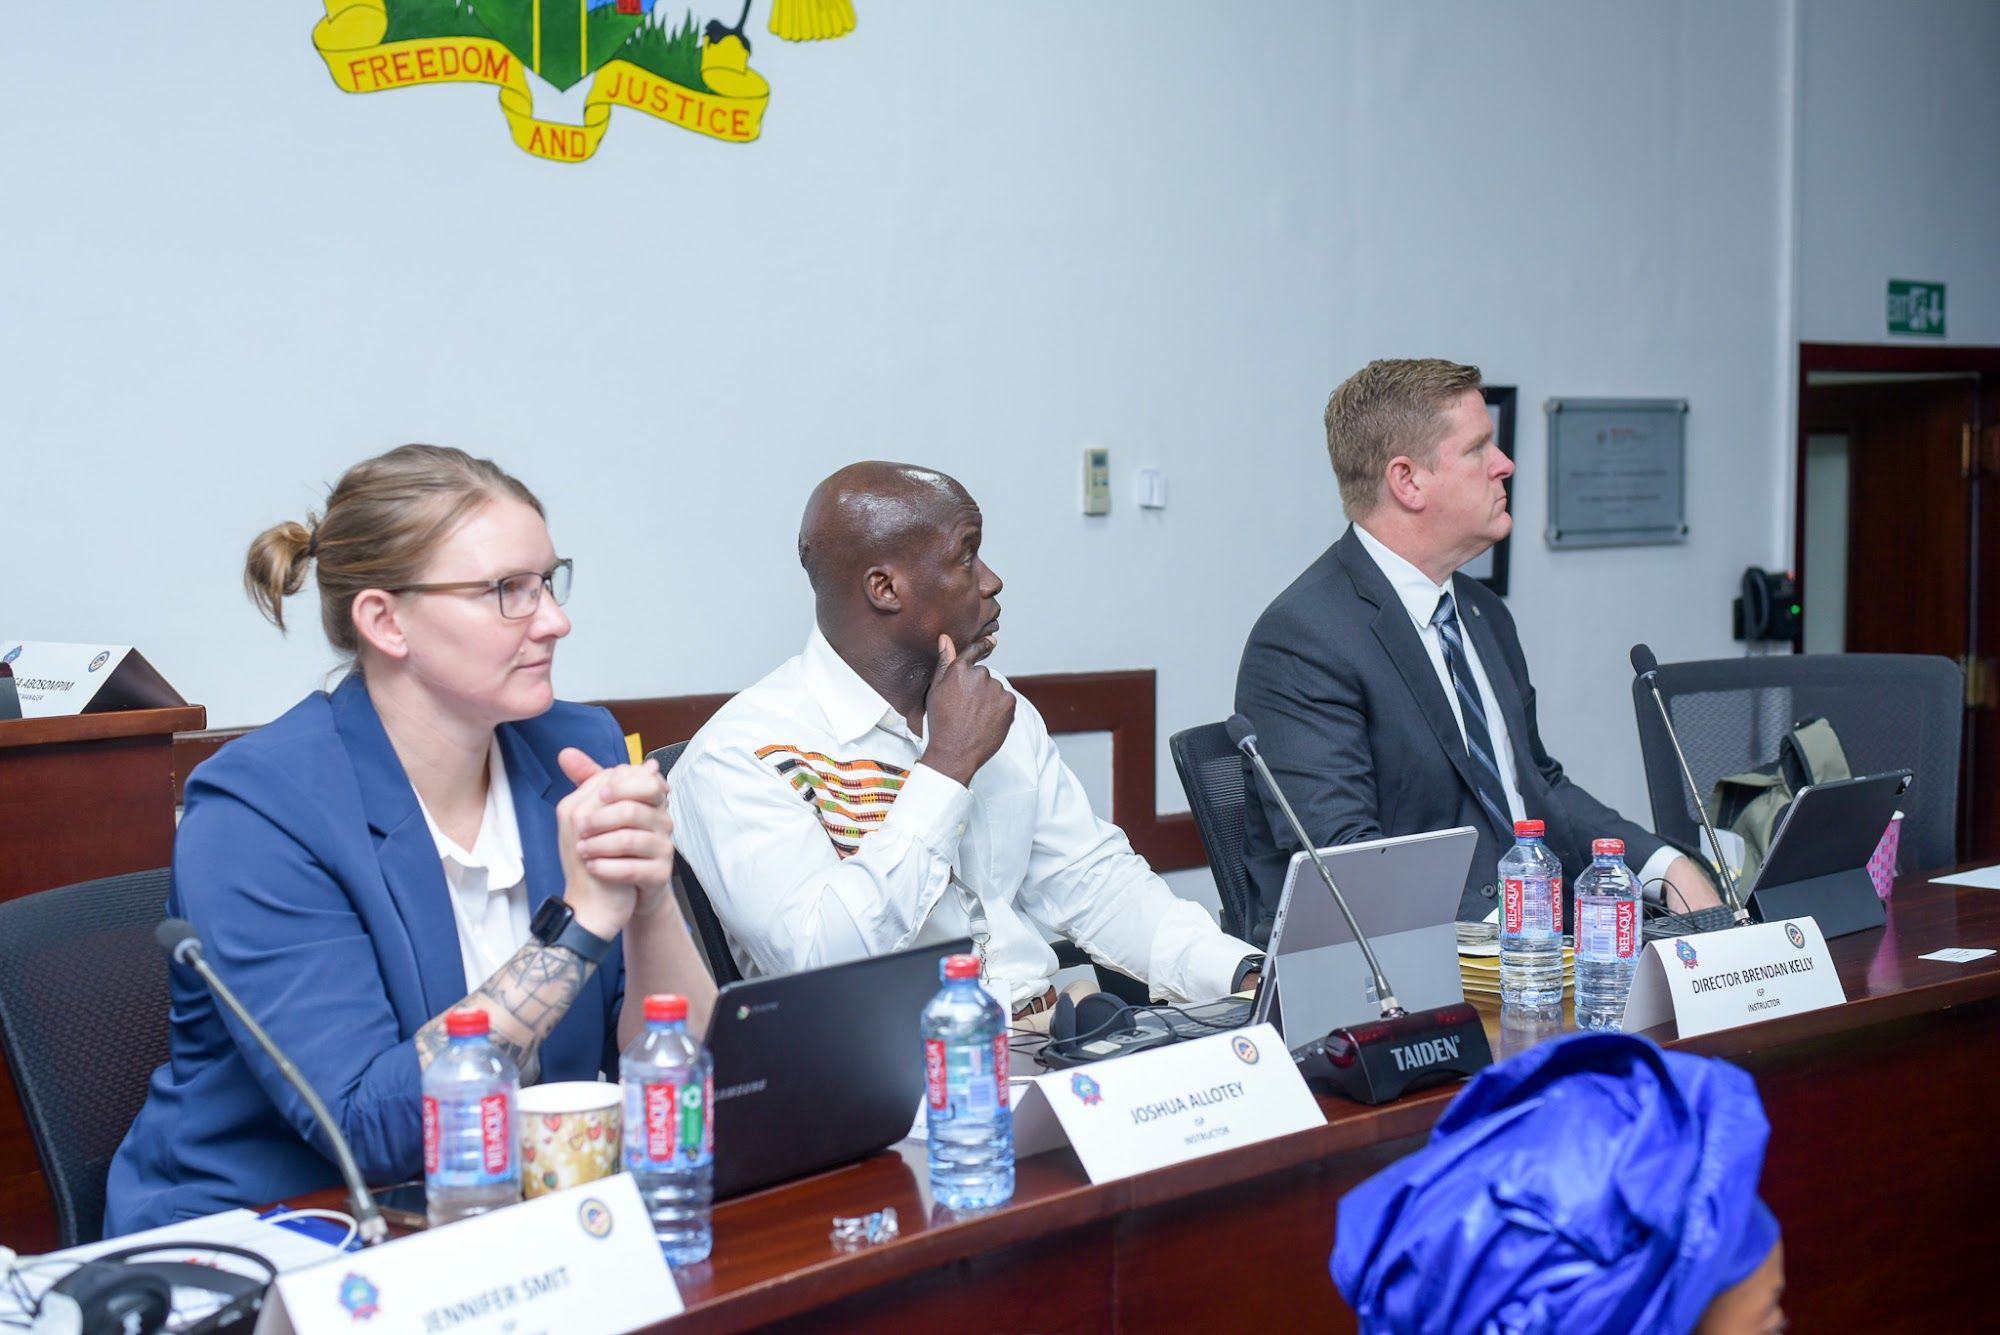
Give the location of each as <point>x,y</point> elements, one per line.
<point>805,811</point>
<point>489,884</point>
<point>1419,597</point>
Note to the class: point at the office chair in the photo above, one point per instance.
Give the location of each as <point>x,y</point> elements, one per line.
<point>1211,771</point>
<point>1892,711</point>
<point>81,1055</point>
<point>694,899</point>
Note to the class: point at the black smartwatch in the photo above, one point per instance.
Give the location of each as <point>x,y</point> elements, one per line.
<point>1250,964</point>
<point>555,924</point>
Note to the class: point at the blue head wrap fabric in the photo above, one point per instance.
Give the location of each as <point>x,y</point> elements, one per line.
<point>1592,1183</point>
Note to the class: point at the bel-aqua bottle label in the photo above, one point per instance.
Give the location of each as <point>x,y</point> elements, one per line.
<point>669,1125</point>
<point>965,1079</point>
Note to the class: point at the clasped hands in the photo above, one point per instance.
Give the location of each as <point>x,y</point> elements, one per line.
<point>616,841</point>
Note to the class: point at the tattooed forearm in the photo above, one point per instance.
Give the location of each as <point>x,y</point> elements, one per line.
<point>524,1000</point>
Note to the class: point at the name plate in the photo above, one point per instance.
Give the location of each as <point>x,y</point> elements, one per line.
<point>581,1260</point>
<point>58,679</point>
<point>1151,1109</point>
<point>1719,980</point>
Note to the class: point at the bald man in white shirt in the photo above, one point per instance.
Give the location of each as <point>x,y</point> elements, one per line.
<point>885,789</point>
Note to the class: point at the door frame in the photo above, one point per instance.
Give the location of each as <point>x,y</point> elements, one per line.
<point>1979,360</point>
<point>1900,358</point>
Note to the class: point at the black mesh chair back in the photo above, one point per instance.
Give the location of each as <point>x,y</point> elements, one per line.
<point>1212,774</point>
<point>83,1012</point>
<point>1892,711</point>
<point>707,927</point>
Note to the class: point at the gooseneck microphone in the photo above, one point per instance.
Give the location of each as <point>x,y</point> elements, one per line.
<point>1646,666</point>
<point>1245,741</point>
<point>1380,1060</point>
<point>178,938</point>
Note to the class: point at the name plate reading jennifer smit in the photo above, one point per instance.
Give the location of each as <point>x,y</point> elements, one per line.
<point>581,1261</point>
<point>1151,1109</point>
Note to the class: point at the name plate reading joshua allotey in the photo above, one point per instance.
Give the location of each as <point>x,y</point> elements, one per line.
<point>582,1261</point>
<point>1151,1109</point>
<point>1719,980</point>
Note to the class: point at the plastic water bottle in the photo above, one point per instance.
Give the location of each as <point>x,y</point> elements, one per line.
<point>1607,936</point>
<point>1531,886</point>
<point>971,1128</point>
<point>472,1134</point>
<point>669,1081</point>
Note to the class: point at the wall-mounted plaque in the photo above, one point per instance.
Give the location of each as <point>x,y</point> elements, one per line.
<point>1617,472</point>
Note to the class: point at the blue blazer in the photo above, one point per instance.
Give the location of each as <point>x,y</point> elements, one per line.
<point>305,863</point>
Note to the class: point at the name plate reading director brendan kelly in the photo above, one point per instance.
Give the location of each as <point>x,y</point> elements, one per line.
<point>1737,976</point>
<point>1151,1109</point>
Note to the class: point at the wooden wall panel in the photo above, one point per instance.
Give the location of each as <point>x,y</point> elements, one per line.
<point>1123,704</point>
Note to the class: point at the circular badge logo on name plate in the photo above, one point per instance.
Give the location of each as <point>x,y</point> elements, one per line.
<point>12,654</point>
<point>595,1216</point>
<point>100,660</point>
<point>1795,936</point>
<point>1245,1050</point>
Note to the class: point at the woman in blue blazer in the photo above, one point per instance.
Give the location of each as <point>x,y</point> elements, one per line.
<point>323,858</point>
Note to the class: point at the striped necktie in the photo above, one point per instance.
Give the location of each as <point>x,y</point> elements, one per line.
<point>1492,794</point>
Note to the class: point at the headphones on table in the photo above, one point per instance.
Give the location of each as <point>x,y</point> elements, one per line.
<point>1073,1023</point>
<point>117,1294</point>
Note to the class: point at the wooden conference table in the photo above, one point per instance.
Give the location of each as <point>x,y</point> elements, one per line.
<point>1884,1170</point>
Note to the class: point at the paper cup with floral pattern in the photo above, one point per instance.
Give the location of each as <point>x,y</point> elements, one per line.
<point>569,1134</point>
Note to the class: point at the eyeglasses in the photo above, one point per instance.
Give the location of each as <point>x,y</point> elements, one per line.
<point>519,595</point>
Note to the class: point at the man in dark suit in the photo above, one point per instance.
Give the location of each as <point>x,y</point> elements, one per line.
<point>1389,693</point>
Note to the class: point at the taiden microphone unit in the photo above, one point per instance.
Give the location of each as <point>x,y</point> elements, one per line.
<point>1647,667</point>
<point>1382,1059</point>
<point>177,937</point>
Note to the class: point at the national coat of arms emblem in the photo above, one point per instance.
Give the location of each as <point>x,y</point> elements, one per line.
<point>636,56</point>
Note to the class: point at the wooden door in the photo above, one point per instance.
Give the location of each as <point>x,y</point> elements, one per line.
<point>1982,719</point>
<point>1913,504</point>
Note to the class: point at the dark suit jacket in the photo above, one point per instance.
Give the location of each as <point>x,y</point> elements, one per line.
<point>1355,725</point>
<point>304,861</point>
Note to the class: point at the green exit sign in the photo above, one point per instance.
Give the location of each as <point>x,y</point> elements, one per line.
<point>1916,308</point>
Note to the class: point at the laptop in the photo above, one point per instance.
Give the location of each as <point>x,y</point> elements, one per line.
<point>1817,866</point>
<point>817,1069</point>
<point>1404,892</point>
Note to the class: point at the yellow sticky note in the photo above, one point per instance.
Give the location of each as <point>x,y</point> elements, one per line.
<point>633,749</point>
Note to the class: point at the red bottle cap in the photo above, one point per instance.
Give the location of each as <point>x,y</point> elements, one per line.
<point>961,966</point>
<point>465,1022</point>
<point>1528,829</point>
<point>665,1006</point>
<point>1603,846</point>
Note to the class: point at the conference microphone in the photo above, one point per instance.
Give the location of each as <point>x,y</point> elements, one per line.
<point>178,938</point>
<point>1646,666</point>
<point>1380,1060</point>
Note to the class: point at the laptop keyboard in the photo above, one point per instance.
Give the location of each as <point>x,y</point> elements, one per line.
<point>1713,919</point>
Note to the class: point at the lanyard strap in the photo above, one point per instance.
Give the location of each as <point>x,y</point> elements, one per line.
<point>976,925</point>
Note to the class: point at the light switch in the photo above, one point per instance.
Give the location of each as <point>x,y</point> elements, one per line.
<point>1151,489</point>
<point>1097,481</point>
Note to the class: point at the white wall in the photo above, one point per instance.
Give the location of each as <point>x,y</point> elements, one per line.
<point>1899,171</point>
<point>979,236</point>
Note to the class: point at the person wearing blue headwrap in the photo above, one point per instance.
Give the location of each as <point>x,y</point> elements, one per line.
<point>1592,1183</point>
